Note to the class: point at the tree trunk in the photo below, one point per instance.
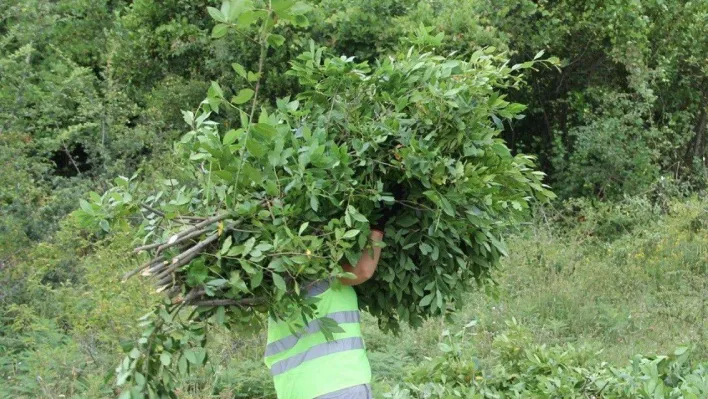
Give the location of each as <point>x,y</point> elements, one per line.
<point>697,145</point>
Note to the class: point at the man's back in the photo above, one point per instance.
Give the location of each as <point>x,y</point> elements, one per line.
<point>306,365</point>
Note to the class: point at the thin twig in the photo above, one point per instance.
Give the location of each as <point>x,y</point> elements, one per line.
<point>230,302</point>
<point>68,154</point>
<point>296,254</point>
<point>153,210</point>
<point>178,218</point>
<point>406,203</point>
<point>261,60</point>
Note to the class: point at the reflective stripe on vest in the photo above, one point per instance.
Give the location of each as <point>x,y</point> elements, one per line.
<point>348,316</point>
<point>362,391</point>
<point>328,348</point>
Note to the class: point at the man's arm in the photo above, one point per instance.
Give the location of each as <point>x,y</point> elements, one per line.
<point>367,264</point>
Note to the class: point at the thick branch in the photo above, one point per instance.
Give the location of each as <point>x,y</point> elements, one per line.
<point>202,224</point>
<point>196,249</point>
<point>143,266</point>
<point>181,239</point>
<point>167,280</point>
<point>156,268</point>
<point>146,247</point>
<point>187,256</point>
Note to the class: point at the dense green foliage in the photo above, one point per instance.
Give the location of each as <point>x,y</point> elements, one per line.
<point>66,334</point>
<point>93,90</point>
<point>287,196</point>
<point>83,110</point>
<point>528,370</point>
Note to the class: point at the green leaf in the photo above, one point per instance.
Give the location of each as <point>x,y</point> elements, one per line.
<point>360,218</point>
<point>314,203</point>
<point>300,8</point>
<point>426,300</point>
<point>264,131</point>
<point>275,40</point>
<point>200,355</point>
<point>226,245</point>
<point>197,273</point>
<point>279,282</point>
<point>354,213</point>
<point>247,18</point>
<point>104,225</point>
<point>252,76</point>
<point>239,69</point>
<point>139,379</point>
<point>190,356</point>
<point>134,353</point>
<point>219,31</point>
<point>215,90</point>
<point>256,279</point>
<point>242,97</point>
<point>301,21</point>
<point>245,120</point>
<point>216,14</point>
<point>248,245</point>
<point>220,315</point>
<point>280,6</point>
<point>256,149</point>
<point>165,358</point>
<point>96,199</point>
<point>447,207</point>
<point>233,8</point>
<point>231,136</point>
<point>219,282</point>
<point>86,207</point>
<point>182,365</point>
<point>351,233</point>
<point>303,227</point>
<point>128,344</point>
<point>272,188</point>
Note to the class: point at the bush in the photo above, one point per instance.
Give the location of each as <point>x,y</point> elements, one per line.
<point>612,155</point>
<point>527,370</point>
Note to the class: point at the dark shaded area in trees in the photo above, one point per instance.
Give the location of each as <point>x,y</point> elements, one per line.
<point>70,162</point>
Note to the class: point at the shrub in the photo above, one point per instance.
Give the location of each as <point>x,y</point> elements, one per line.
<point>528,370</point>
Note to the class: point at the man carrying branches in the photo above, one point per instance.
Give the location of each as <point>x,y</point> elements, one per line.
<point>306,364</point>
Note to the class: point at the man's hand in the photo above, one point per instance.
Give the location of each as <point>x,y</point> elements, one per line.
<point>367,264</point>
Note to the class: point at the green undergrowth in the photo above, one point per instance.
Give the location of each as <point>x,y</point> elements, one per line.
<point>591,295</point>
